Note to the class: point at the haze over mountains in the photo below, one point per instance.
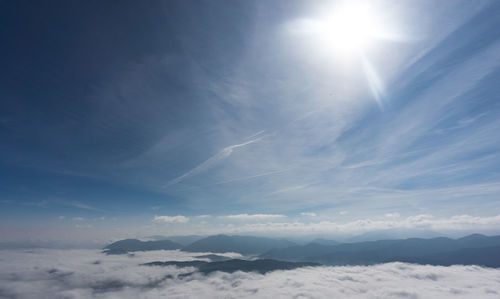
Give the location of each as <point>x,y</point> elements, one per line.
<point>474,249</point>
<point>246,245</point>
<point>242,244</point>
<point>129,245</point>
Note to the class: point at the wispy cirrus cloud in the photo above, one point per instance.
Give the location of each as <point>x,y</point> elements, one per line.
<point>384,158</point>
<point>79,205</point>
<point>267,122</point>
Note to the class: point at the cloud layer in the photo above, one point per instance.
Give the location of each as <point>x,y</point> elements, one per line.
<point>171,219</point>
<point>276,224</point>
<point>89,274</point>
<point>253,216</point>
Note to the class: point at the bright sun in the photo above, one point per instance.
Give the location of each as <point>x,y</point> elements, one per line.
<point>347,29</point>
<point>351,28</point>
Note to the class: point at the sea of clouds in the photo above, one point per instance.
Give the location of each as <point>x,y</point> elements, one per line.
<point>52,273</point>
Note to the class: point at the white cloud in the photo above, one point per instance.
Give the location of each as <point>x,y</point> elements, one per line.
<point>90,274</point>
<point>343,212</point>
<point>253,216</point>
<point>204,216</point>
<point>171,219</point>
<point>392,215</point>
<point>78,218</point>
<point>308,214</point>
<point>423,221</point>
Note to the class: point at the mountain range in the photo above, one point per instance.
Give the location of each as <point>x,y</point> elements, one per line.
<point>246,245</point>
<point>131,245</point>
<point>233,265</point>
<point>473,249</point>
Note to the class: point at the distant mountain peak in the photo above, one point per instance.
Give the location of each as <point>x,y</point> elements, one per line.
<point>131,245</point>
<point>473,236</point>
<point>240,244</point>
<point>473,249</point>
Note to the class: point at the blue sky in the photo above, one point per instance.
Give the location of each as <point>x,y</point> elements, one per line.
<point>179,117</point>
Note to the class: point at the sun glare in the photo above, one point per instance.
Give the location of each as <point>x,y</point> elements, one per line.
<point>346,29</point>
<point>348,33</point>
<point>350,28</point>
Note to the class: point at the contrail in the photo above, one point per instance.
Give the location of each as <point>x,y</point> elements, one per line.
<point>224,153</point>
<point>255,135</point>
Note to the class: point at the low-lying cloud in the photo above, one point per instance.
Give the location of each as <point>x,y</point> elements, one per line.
<point>390,221</point>
<point>308,214</point>
<point>49,273</point>
<point>253,216</point>
<point>171,219</point>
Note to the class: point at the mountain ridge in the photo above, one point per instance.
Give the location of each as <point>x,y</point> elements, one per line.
<point>432,251</point>
<point>131,245</point>
<point>472,249</point>
<point>261,266</point>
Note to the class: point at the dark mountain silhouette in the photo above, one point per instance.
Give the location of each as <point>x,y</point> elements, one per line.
<point>182,264</point>
<point>230,266</point>
<point>322,241</point>
<point>261,266</point>
<point>213,257</point>
<point>219,244</point>
<point>185,240</point>
<point>298,253</point>
<point>486,256</point>
<point>240,244</point>
<point>393,234</point>
<point>130,245</point>
<point>473,249</point>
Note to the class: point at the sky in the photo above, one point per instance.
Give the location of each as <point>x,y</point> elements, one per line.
<point>134,119</point>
